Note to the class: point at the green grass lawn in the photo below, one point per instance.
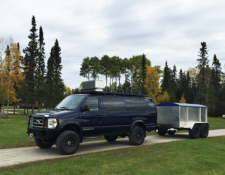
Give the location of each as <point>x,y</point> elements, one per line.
<point>196,156</point>
<point>20,111</point>
<point>13,131</point>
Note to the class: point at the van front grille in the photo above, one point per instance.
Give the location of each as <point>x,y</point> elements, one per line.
<point>38,122</point>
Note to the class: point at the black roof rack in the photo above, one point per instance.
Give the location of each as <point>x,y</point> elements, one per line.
<point>140,93</point>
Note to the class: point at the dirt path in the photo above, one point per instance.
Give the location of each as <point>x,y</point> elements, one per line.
<point>28,154</point>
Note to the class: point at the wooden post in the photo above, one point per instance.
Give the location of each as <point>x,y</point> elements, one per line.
<point>14,108</point>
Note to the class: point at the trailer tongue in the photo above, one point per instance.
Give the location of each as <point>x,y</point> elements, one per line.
<point>182,116</point>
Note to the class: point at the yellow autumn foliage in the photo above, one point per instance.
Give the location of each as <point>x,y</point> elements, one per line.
<point>163,98</point>
<point>11,74</point>
<point>68,91</point>
<point>151,85</point>
<point>182,100</point>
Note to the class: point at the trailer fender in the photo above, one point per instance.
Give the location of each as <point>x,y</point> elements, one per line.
<point>190,125</point>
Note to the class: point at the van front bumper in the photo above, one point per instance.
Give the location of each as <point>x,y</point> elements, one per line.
<point>42,133</point>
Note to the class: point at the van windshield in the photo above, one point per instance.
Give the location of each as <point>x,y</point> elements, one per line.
<point>70,102</point>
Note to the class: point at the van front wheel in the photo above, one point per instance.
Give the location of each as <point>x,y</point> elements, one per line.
<point>68,142</point>
<point>137,136</point>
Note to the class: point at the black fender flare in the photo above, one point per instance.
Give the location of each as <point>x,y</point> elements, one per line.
<point>138,121</point>
<point>76,124</point>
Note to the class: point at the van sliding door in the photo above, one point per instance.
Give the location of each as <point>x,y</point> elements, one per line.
<point>113,115</point>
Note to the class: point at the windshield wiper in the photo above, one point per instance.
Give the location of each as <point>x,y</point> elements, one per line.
<point>64,107</point>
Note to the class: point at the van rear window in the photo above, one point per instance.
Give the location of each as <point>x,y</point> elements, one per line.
<point>135,104</point>
<point>113,104</point>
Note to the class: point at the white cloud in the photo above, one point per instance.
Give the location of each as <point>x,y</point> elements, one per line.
<point>164,30</point>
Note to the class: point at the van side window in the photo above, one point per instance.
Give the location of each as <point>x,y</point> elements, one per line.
<point>151,105</point>
<point>136,104</point>
<point>92,102</point>
<point>113,104</point>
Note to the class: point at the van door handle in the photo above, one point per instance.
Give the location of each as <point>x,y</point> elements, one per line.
<point>97,115</point>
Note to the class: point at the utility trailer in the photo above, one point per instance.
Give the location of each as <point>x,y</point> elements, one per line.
<point>182,116</point>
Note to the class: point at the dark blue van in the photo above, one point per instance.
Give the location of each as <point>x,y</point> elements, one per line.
<point>91,115</point>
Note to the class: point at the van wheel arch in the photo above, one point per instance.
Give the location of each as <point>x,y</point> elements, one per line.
<point>74,127</point>
<point>140,124</point>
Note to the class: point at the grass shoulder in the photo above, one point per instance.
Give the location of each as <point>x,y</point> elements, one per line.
<point>196,156</point>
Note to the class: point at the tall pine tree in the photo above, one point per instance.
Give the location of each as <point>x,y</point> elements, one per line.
<point>50,80</point>
<point>59,85</point>
<point>173,84</point>
<point>40,69</point>
<point>216,83</point>
<point>202,66</point>
<point>31,54</point>
<point>166,79</point>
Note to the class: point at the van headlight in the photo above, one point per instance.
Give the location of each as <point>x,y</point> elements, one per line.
<point>52,123</point>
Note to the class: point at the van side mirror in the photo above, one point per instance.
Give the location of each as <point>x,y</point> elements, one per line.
<point>85,108</point>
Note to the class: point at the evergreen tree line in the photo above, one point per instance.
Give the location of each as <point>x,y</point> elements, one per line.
<point>41,85</point>
<point>201,85</point>
<point>113,68</point>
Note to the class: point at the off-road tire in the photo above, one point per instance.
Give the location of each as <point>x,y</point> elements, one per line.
<point>137,136</point>
<point>161,132</point>
<point>204,130</point>
<point>194,133</point>
<point>171,133</point>
<point>43,144</point>
<point>111,138</point>
<point>68,142</point>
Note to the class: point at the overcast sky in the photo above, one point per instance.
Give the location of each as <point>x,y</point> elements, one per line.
<point>163,30</point>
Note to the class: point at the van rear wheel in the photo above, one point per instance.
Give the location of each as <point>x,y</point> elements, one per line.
<point>137,136</point>
<point>110,138</point>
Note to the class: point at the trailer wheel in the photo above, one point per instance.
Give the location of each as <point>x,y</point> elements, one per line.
<point>194,133</point>
<point>171,132</point>
<point>110,138</point>
<point>68,142</point>
<point>137,136</point>
<point>204,130</point>
<point>161,132</point>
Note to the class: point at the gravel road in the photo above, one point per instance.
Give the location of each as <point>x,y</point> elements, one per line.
<point>28,154</point>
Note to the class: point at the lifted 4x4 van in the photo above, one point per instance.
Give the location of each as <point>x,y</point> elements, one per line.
<point>91,114</point>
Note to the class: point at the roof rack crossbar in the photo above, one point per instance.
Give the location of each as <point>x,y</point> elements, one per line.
<point>113,93</point>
